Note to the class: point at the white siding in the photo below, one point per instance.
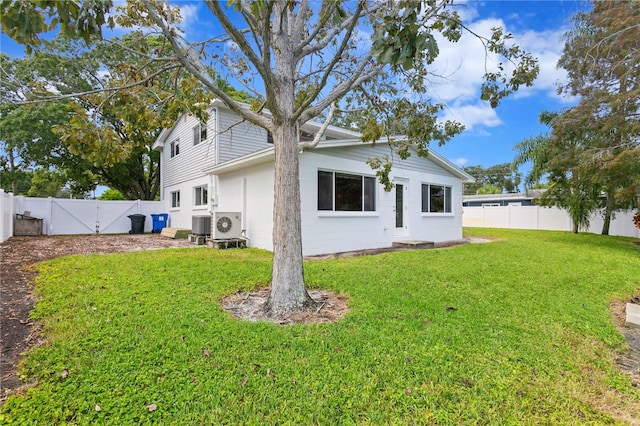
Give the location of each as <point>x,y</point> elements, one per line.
<point>188,164</point>
<point>181,217</point>
<point>363,152</point>
<point>237,138</point>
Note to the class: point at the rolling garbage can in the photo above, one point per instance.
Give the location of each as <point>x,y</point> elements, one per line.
<point>137,223</point>
<point>159,221</point>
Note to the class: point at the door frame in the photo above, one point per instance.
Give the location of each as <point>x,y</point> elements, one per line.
<point>402,231</point>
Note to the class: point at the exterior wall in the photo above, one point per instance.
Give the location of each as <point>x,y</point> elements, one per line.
<point>180,217</point>
<point>188,164</point>
<point>436,227</point>
<point>237,138</point>
<point>330,232</point>
<point>327,232</point>
<point>250,191</point>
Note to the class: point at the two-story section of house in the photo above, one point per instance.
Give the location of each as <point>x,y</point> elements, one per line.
<point>190,147</point>
<point>227,165</point>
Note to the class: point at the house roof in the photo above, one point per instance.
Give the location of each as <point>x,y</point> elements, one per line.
<point>529,195</point>
<point>310,126</point>
<point>267,154</point>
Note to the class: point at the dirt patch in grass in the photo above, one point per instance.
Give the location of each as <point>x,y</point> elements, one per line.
<point>328,307</point>
<point>18,333</point>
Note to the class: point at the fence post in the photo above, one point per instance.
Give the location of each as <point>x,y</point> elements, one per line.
<point>12,211</point>
<point>50,202</point>
<point>2,215</point>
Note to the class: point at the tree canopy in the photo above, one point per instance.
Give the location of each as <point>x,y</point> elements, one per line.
<point>501,177</point>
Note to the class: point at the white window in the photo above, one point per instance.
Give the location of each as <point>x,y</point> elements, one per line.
<point>199,133</point>
<point>175,148</point>
<point>175,199</point>
<point>346,192</point>
<point>200,196</point>
<point>436,198</point>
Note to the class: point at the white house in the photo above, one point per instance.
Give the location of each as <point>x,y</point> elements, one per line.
<point>228,166</point>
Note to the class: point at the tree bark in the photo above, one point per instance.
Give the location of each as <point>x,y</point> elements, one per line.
<point>288,292</point>
<point>608,213</point>
<point>12,169</point>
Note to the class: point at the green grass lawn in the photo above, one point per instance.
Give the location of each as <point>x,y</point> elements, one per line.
<point>531,339</point>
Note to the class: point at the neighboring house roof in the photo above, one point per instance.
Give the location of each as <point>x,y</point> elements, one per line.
<point>267,154</point>
<point>516,196</point>
<point>310,126</point>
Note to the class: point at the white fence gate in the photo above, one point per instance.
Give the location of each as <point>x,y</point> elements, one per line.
<point>65,217</point>
<point>543,218</point>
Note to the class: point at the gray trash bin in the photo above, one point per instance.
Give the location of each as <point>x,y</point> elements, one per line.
<point>137,223</point>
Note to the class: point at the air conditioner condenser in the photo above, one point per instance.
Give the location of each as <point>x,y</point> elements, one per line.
<point>227,225</point>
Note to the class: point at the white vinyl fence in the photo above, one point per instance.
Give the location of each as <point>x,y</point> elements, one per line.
<point>64,216</point>
<point>543,218</point>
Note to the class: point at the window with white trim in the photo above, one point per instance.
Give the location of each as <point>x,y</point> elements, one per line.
<point>436,198</point>
<point>175,199</point>
<point>201,195</point>
<point>199,133</point>
<point>346,192</point>
<point>175,148</point>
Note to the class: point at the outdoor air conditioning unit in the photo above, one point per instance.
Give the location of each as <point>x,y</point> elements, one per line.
<point>227,225</point>
<point>201,225</point>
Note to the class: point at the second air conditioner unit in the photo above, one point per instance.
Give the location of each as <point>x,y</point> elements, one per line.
<point>201,225</point>
<point>226,225</point>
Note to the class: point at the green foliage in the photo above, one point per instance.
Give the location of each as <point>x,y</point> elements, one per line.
<point>46,183</point>
<point>111,194</point>
<point>504,176</point>
<point>489,189</point>
<point>465,335</point>
<point>25,20</point>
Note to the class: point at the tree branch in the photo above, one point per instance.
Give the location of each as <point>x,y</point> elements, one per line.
<point>357,77</point>
<point>336,58</point>
<point>38,98</point>
<point>320,132</point>
<point>192,63</point>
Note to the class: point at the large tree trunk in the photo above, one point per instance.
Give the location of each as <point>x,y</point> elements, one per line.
<point>288,292</point>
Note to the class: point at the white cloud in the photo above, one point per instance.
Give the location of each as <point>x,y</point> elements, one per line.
<point>457,73</point>
<point>460,161</point>
<point>189,13</point>
<point>473,115</point>
<point>459,68</point>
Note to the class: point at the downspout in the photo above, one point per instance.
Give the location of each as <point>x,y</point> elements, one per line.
<point>216,160</point>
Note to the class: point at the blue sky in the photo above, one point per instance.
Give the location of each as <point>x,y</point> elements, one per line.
<point>537,26</point>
